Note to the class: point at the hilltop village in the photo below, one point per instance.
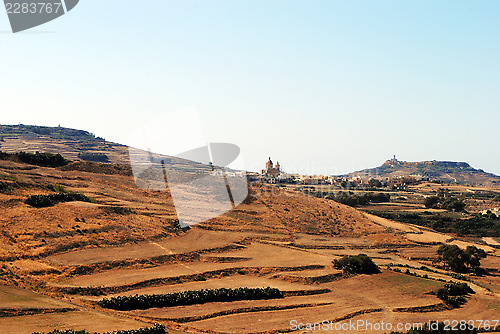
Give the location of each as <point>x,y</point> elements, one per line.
<point>274,174</point>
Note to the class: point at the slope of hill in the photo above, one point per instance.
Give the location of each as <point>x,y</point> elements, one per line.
<point>67,142</point>
<point>446,171</point>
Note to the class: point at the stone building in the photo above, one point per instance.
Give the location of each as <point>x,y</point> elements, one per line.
<point>271,170</point>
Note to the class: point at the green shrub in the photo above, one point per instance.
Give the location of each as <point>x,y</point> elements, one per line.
<point>43,201</point>
<point>357,264</point>
<point>96,157</point>
<point>57,188</point>
<point>431,202</point>
<point>120,210</point>
<point>5,187</point>
<point>454,294</point>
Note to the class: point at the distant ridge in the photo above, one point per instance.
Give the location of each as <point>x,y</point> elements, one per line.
<point>445,171</point>
<point>67,142</point>
<point>72,144</point>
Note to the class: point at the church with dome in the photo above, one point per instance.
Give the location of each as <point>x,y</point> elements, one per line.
<point>271,169</point>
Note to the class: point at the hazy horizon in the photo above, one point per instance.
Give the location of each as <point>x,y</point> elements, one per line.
<point>327,87</point>
<point>275,161</point>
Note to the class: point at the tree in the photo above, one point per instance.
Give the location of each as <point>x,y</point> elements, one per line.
<point>431,201</point>
<point>474,255</point>
<point>453,204</point>
<point>374,183</point>
<point>357,264</point>
<point>459,260</point>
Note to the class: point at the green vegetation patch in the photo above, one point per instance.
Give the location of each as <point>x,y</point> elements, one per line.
<point>451,203</point>
<point>447,222</point>
<point>119,210</point>
<point>361,199</point>
<point>348,198</point>
<point>8,177</point>
<point>42,159</point>
<point>95,157</point>
<point>5,187</point>
<point>38,159</point>
<point>357,264</point>
<point>43,201</point>
<point>141,302</point>
<point>453,294</point>
<point>460,260</point>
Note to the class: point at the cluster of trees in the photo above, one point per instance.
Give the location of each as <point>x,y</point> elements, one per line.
<point>43,201</point>
<point>361,199</point>
<point>451,203</point>
<point>357,264</point>
<point>453,294</point>
<point>374,183</point>
<point>140,302</point>
<point>96,157</point>
<point>156,329</point>
<point>478,225</point>
<point>460,260</point>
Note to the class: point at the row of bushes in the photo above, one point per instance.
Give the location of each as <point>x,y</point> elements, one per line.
<point>362,199</point>
<point>96,157</point>
<point>424,268</point>
<point>141,302</point>
<point>156,329</point>
<point>43,201</point>
<point>451,203</point>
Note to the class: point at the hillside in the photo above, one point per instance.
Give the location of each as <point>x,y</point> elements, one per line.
<point>446,171</point>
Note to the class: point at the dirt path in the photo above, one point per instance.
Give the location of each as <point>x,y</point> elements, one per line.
<point>391,224</point>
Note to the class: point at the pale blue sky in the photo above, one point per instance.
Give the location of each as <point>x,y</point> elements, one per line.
<point>321,86</point>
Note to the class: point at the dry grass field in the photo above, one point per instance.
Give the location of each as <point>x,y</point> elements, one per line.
<point>57,262</point>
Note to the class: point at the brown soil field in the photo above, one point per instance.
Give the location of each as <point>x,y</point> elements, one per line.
<point>85,320</point>
<point>194,240</point>
<point>17,298</point>
<point>275,257</point>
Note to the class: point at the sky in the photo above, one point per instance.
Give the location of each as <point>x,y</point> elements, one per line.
<point>323,87</point>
